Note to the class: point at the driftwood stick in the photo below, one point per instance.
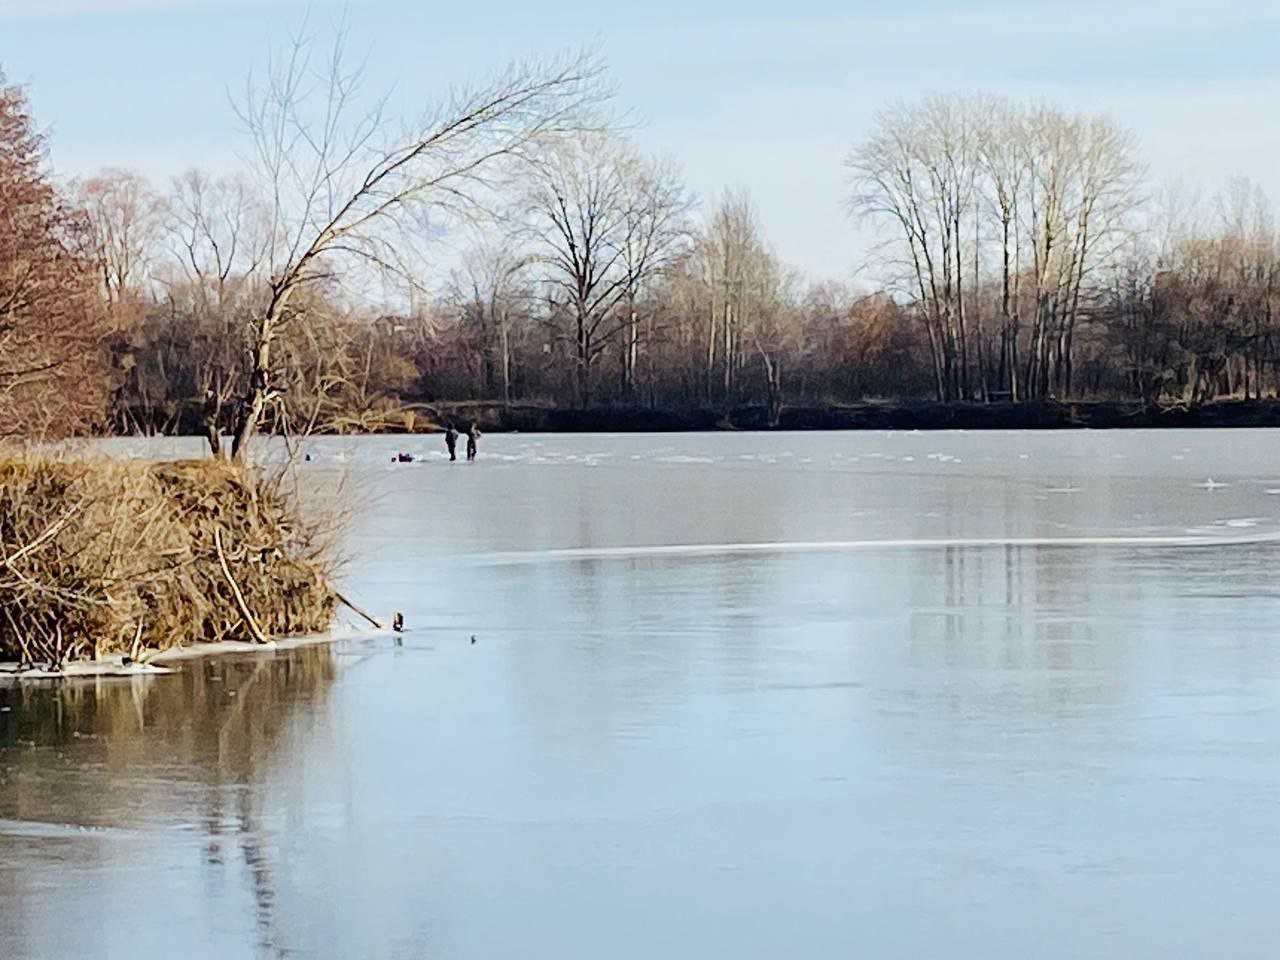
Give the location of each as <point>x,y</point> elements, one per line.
<point>245,613</point>
<point>347,603</point>
<point>135,649</point>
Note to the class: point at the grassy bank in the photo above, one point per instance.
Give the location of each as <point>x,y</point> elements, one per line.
<point>102,556</point>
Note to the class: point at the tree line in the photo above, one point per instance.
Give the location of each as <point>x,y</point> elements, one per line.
<point>513,245</point>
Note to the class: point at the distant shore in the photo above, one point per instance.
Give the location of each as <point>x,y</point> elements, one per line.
<point>1040,415</point>
<point>496,417</point>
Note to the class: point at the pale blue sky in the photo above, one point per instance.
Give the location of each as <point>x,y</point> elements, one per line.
<point>751,93</point>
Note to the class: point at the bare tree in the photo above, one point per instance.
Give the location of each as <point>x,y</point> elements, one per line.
<point>919,172</point>
<point>655,233</point>
<point>1000,137</point>
<point>1081,177</point>
<point>605,222</point>
<point>344,187</point>
<point>491,290</point>
<point>125,216</point>
<point>216,231</point>
<point>773,327</point>
<point>1252,254</point>
<point>956,177</point>
<point>731,256</point>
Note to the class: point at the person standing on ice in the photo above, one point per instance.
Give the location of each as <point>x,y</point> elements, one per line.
<point>473,434</point>
<point>451,441</point>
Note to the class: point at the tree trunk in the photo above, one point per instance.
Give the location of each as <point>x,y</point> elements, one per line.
<point>211,420</point>
<point>505,334</point>
<point>772,377</point>
<point>728,350</point>
<point>631,353</point>
<point>711,347</point>
<point>935,354</point>
<point>255,401</point>
<point>584,363</point>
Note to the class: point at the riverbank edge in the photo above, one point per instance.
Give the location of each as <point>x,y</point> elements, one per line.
<point>1039,415</point>
<point>113,667</point>
<point>533,417</point>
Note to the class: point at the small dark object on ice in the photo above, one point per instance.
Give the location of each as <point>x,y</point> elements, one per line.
<point>126,661</point>
<point>307,458</point>
<point>473,639</point>
<point>403,457</point>
<point>397,622</point>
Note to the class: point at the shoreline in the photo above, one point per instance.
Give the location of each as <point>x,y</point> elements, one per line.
<point>528,417</point>
<point>925,416</point>
<point>112,667</point>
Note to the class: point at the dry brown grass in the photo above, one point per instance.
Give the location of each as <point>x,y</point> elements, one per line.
<point>100,556</point>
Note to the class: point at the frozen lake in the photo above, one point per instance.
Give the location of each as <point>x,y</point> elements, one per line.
<point>738,695</point>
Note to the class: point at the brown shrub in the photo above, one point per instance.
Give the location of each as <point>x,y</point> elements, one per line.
<point>99,556</point>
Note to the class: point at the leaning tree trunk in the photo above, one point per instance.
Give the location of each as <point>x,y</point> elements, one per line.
<point>255,401</point>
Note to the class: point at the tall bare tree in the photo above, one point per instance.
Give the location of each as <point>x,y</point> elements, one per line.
<point>1001,134</point>
<point>492,291</point>
<point>346,187</point>
<point>964,181</point>
<point>656,232</point>
<point>125,216</point>
<point>732,259</point>
<point>604,221</point>
<point>918,172</point>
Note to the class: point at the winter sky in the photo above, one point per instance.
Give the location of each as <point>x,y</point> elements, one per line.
<point>765,95</point>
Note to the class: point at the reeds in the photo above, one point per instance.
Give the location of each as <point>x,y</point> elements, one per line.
<point>104,556</point>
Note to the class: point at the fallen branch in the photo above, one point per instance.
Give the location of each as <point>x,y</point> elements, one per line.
<point>345,602</point>
<point>245,613</point>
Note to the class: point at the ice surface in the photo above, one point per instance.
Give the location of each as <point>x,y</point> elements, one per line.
<point>895,701</point>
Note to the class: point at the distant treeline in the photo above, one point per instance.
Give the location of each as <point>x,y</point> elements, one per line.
<point>1023,259</point>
